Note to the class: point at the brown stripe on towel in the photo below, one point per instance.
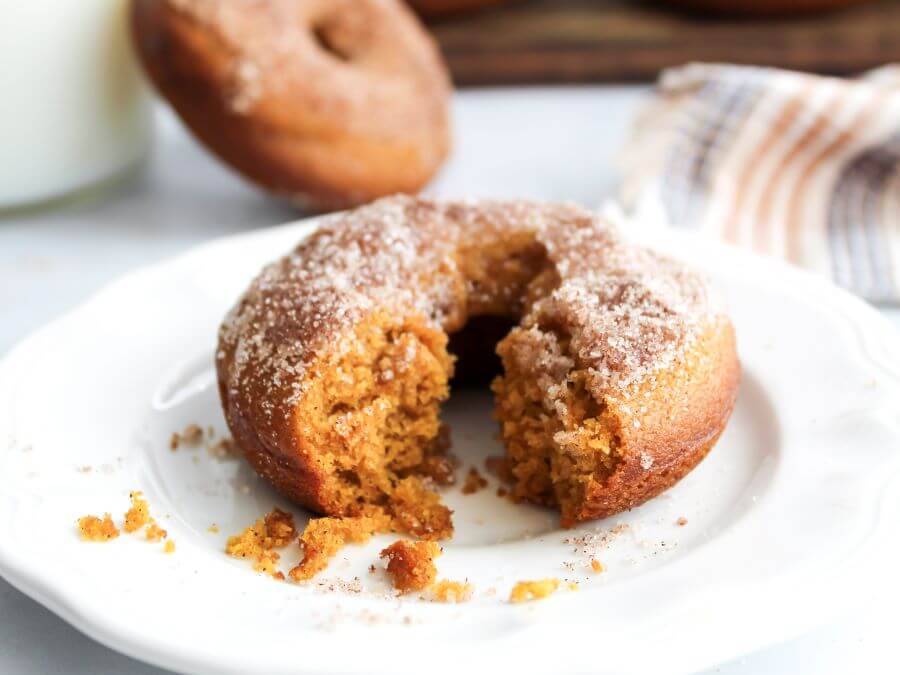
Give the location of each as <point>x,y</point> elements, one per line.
<point>761,223</point>
<point>790,110</point>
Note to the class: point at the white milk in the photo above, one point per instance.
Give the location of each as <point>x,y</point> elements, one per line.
<point>73,108</point>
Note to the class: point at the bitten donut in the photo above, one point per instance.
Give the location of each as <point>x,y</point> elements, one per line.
<point>330,103</point>
<point>619,367</point>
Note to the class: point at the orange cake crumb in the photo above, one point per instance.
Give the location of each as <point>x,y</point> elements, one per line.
<point>274,530</point>
<point>597,566</point>
<point>324,537</point>
<point>474,482</point>
<point>213,528</point>
<point>524,591</point>
<point>411,564</point>
<point>681,522</point>
<point>154,532</point>
<point>450,591</point>
<point>169,547</point>
<point>139,513</point>
<point>93,528</point>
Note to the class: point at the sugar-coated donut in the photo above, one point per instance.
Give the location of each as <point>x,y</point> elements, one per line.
<point>330,103</point>
<point>619,369</point>
<point>764,7</point>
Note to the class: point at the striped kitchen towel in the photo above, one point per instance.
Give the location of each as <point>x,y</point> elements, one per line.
<point>794,165</point>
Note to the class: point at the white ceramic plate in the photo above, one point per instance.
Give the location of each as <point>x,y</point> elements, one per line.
<point>787,520</point>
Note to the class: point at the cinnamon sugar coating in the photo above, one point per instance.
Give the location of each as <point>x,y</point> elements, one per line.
<point>618,377</point>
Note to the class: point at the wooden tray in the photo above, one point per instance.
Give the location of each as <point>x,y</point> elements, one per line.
<point>617,40</point>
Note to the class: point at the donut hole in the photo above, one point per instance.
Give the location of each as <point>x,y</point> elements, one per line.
<point>333,40</point>
<point>475,348</point>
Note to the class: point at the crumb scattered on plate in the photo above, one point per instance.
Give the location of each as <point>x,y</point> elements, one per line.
<point>139,514</point>
<point>93,528</point>
<point>474,482</point>
<point>136,517</point>
<point>410,564</point>
<point>525,591</point>
<point>450,591</point>
<point>257,542</point>
<point>324,537</point>
<point>154,532</point>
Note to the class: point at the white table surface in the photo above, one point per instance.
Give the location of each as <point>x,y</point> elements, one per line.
<point>549,143</point>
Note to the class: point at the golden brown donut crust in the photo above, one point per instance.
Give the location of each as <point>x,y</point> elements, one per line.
<point>618,379</point>
<point>330,103</point>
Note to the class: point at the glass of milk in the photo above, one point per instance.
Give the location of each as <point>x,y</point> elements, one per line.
<point>74,111</point>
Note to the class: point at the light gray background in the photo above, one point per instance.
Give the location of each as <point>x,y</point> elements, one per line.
<point>549,143</point>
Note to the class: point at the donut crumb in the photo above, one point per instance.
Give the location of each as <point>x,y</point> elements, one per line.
<point>154,532</point>
<point>474,482</point>
<point>324,537</point>
<point>525,591</point>
<point>138,515</point>
<point>93,528</point>
<point>257,542</point>
<point>411,564</point>
<point>450,591</point>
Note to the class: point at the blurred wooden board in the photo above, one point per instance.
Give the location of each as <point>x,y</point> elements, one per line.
<point>618,40</point>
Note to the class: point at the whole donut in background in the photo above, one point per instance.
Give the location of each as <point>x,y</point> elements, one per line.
<point>763,8</point>
<point>329,103</point>
<point>435,8</point>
